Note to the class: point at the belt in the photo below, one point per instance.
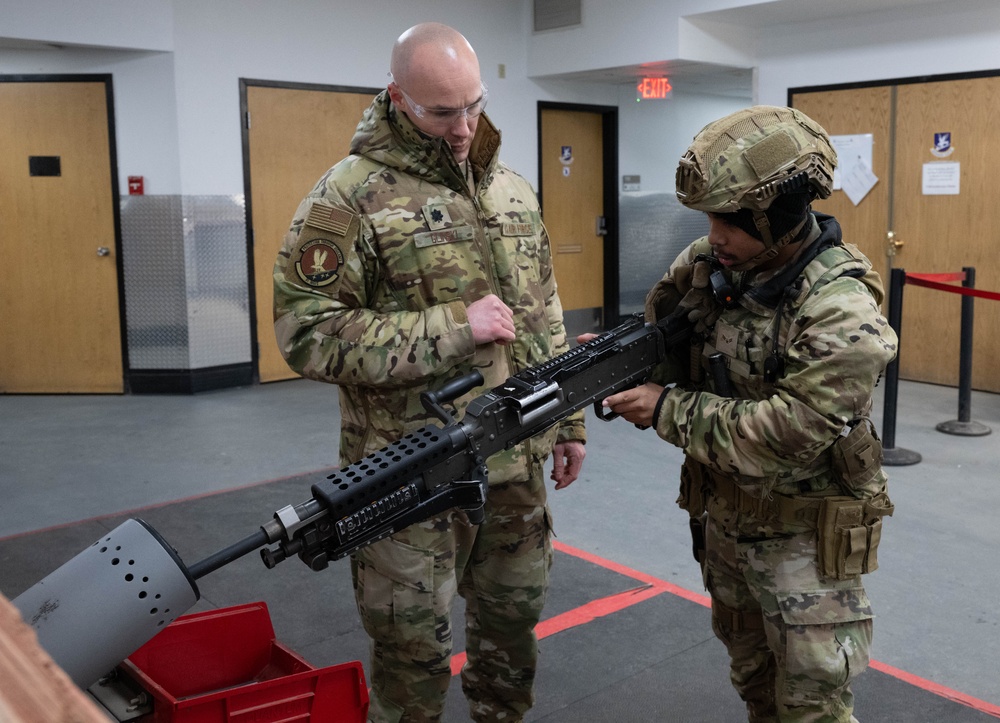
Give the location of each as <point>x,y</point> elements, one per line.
<point>780,508</point>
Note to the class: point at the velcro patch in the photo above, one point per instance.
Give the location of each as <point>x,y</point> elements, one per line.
<point>436,215</point>
<point>444,236</point>
<point>319,262</point>
<point>335,219</point>
<point>519,229</point>
<point>771,153</point>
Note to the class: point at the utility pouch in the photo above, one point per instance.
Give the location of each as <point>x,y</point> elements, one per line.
<point>697,525</point>
<point>857,456</point>
<point>692,493</point>
<point>849,533</point>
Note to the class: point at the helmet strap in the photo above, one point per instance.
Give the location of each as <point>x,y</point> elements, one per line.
<point>773,247</point>
<point>763,227</point>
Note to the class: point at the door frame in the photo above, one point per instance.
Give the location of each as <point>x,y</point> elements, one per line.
<point>245,84</point>
<point>609,143</point>
<point>913,372</point>
<point>107,80</point>
<point>910,80</point>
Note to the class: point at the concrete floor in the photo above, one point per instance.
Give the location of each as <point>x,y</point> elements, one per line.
<point>68,462</point>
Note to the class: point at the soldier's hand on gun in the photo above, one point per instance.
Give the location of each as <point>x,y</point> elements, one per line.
<point>636,405</point>
<point>491,320</point>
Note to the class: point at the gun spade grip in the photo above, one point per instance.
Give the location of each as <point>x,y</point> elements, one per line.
<point>453,388</point>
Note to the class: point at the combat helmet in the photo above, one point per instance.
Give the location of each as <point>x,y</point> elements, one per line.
<point>760,168</point>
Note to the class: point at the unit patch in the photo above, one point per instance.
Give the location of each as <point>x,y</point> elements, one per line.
<point>318,262</point>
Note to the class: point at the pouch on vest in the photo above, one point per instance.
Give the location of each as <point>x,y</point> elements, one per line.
<point>857,456</point>
<point>849,533</point>
<point>692,493</point>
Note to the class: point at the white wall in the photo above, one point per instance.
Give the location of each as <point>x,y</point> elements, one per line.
<point>961,36</point>
<point>130,24</point>
<point>315,41</point>
<point>177,108</point>
<point>655,134</point>
<point>144,102</point>
<point>177,112</point>
<point>613,33</point>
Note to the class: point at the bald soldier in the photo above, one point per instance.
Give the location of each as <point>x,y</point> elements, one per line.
<point>419,258</point>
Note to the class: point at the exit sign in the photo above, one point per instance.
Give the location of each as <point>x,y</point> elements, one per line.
<point>653,89</point>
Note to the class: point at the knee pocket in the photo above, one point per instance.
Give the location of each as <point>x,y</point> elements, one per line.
<point>399,600</point>
<point>827,638</point>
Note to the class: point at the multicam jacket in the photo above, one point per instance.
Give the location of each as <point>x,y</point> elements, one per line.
<point>382,257</point>
<point>830,343</point>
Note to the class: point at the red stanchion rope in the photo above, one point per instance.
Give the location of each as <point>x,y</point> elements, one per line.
<point>938,281</point>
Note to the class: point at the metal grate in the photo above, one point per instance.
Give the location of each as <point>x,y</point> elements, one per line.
<point>552,14</point>
<point>186,283</point>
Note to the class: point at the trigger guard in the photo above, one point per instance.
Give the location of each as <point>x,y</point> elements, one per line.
<point>599,411</point>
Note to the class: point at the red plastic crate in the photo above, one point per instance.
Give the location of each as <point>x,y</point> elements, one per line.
<point>224,666</point>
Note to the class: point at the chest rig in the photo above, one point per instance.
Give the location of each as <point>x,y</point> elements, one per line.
<point>746,349</point>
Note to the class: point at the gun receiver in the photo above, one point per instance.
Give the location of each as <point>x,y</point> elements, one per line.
<point>436,468</point>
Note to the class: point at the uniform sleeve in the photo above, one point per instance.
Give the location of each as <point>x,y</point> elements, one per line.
<point>324,280</point>
<point>840,347</point>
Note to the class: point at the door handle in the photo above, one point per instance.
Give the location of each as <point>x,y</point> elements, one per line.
<point>103,251</point>
<point>893,244</point>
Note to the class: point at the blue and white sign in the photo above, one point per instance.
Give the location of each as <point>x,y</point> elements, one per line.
<point>942,145</point>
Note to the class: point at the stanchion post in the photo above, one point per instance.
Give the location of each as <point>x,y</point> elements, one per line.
<point>892,455</point>
<point>963,425</point>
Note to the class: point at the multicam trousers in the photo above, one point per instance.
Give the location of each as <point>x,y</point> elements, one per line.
<point>796,640</point>
<point>404,588</point>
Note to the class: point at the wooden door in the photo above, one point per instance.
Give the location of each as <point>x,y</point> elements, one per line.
<point>937,233</point>
<point>850,112</point>
<point>61,330</point>
<point>572,171</point>
<point>944,233</point>
<point>294,137</point>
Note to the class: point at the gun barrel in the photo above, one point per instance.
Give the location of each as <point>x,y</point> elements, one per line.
<point>224,557</point>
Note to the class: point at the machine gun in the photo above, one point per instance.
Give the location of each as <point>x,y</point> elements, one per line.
<point>423,473</point>
<point>436,468</point>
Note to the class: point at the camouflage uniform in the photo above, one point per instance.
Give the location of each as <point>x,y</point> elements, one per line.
<point>371,289</point>
<point>804,346</point>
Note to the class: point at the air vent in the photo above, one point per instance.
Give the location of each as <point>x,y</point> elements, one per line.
<point>552,14</point>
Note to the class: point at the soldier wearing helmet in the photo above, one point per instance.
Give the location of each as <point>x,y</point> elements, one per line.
<point>771,404</point>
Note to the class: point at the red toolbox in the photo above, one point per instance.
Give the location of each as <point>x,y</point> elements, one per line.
<point>224,666</point>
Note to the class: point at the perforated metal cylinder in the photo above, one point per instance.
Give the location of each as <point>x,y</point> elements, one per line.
<point>105,603</point>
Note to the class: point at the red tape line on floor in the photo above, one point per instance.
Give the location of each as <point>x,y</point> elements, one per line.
<point>653,586</point>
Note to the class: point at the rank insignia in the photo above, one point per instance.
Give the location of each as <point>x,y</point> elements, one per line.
<point>436,215</point>
<point>726,339</point>
<point>319,262</point>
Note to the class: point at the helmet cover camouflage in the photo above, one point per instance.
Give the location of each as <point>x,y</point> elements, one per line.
<point>747,159</point>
